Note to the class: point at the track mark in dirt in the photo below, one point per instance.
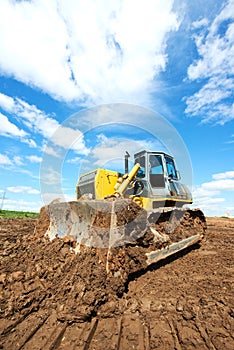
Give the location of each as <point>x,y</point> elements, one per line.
<point>120,328</point>
<point>189,337</point>
<point>204,336</point>
<point>56,338</point>
<point>175,336</point>
<point>160,335</point>
<point>23,331</point>
<point>46,336</point>
<point>29,332</point>
<point>94,324</point>
<point>78,336</point>
<point>9,326</point>
<point>133,335</point>
<point>107,332</point>
<point>74,336</point>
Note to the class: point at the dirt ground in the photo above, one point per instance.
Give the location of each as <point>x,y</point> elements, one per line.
<point>50,298</point>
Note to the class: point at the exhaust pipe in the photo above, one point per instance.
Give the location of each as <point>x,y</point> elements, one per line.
<point>127,155</point>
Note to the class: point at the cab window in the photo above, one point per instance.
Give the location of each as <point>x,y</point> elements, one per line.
<point>171,170</point>
<point>156,173</point>
<point>156,166</point>
<point>141,161</point>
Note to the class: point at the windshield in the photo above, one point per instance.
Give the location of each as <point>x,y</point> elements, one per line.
<point>156,166</point>
<point>171,170</point>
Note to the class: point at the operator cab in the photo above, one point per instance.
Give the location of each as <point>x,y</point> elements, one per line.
<point>160,177</point>
<point>156,166</point>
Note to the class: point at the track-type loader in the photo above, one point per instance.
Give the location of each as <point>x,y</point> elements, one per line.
<point>130,220</point>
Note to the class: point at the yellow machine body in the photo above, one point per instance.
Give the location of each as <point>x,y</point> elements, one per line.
<point>159,188</point>
<point>99,183</point>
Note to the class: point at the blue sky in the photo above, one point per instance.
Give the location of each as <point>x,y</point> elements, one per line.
<point>60,58</point>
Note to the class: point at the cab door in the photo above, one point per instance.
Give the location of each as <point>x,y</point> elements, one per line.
<point>176,190</point>
<point>156,175</point>
<point>156,171</point>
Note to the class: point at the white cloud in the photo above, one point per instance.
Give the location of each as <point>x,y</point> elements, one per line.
<point>200,23</point>
<point>221,182</point>
<point>14,163</point>
<point>34,159</point>
<point>21,205</point>
<point>111,151</point>
<point>69,138</point>
<point>33,47</point>
<point>231,141</point>
<point>39,122</point>
<point>7,103</point>
<point>30,142</point>
<point>75,160</point>
<point>211,206</point>
<point>201,192</point>
<point>208,196</point>
<point>219,185</point>
<point>35,119</point>
<point>206,202</point>
<point>51,177</point>
<point>10,129</point>
<point>86,51</point>
<point>51,151</point>
<point>23,189</point>
<point>215,46</point>
<point>225,175</point>
<point>18,160</point>
<point>4,160</point>
<point>58,197</point>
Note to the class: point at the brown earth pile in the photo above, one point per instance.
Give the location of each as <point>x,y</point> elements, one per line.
<point>37,273</point>
<point>46,291</point>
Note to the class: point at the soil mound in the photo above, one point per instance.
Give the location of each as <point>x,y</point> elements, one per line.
<point>51,298</point>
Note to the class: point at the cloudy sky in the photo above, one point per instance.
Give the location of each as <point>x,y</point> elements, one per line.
<point>61,57</point>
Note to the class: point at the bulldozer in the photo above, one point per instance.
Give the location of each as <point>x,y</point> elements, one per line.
<point>128,220</point>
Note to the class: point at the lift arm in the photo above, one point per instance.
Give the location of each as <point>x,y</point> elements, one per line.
<point>127,178</point>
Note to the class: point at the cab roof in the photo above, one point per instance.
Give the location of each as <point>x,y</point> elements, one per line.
<point>152,152</point>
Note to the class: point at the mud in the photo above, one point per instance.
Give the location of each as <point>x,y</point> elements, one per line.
<point>51,298</point>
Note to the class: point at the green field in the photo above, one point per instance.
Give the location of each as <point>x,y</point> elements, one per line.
<point>17,214</point>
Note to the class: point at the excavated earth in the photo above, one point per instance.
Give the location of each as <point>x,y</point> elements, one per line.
<point>51,298</point>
